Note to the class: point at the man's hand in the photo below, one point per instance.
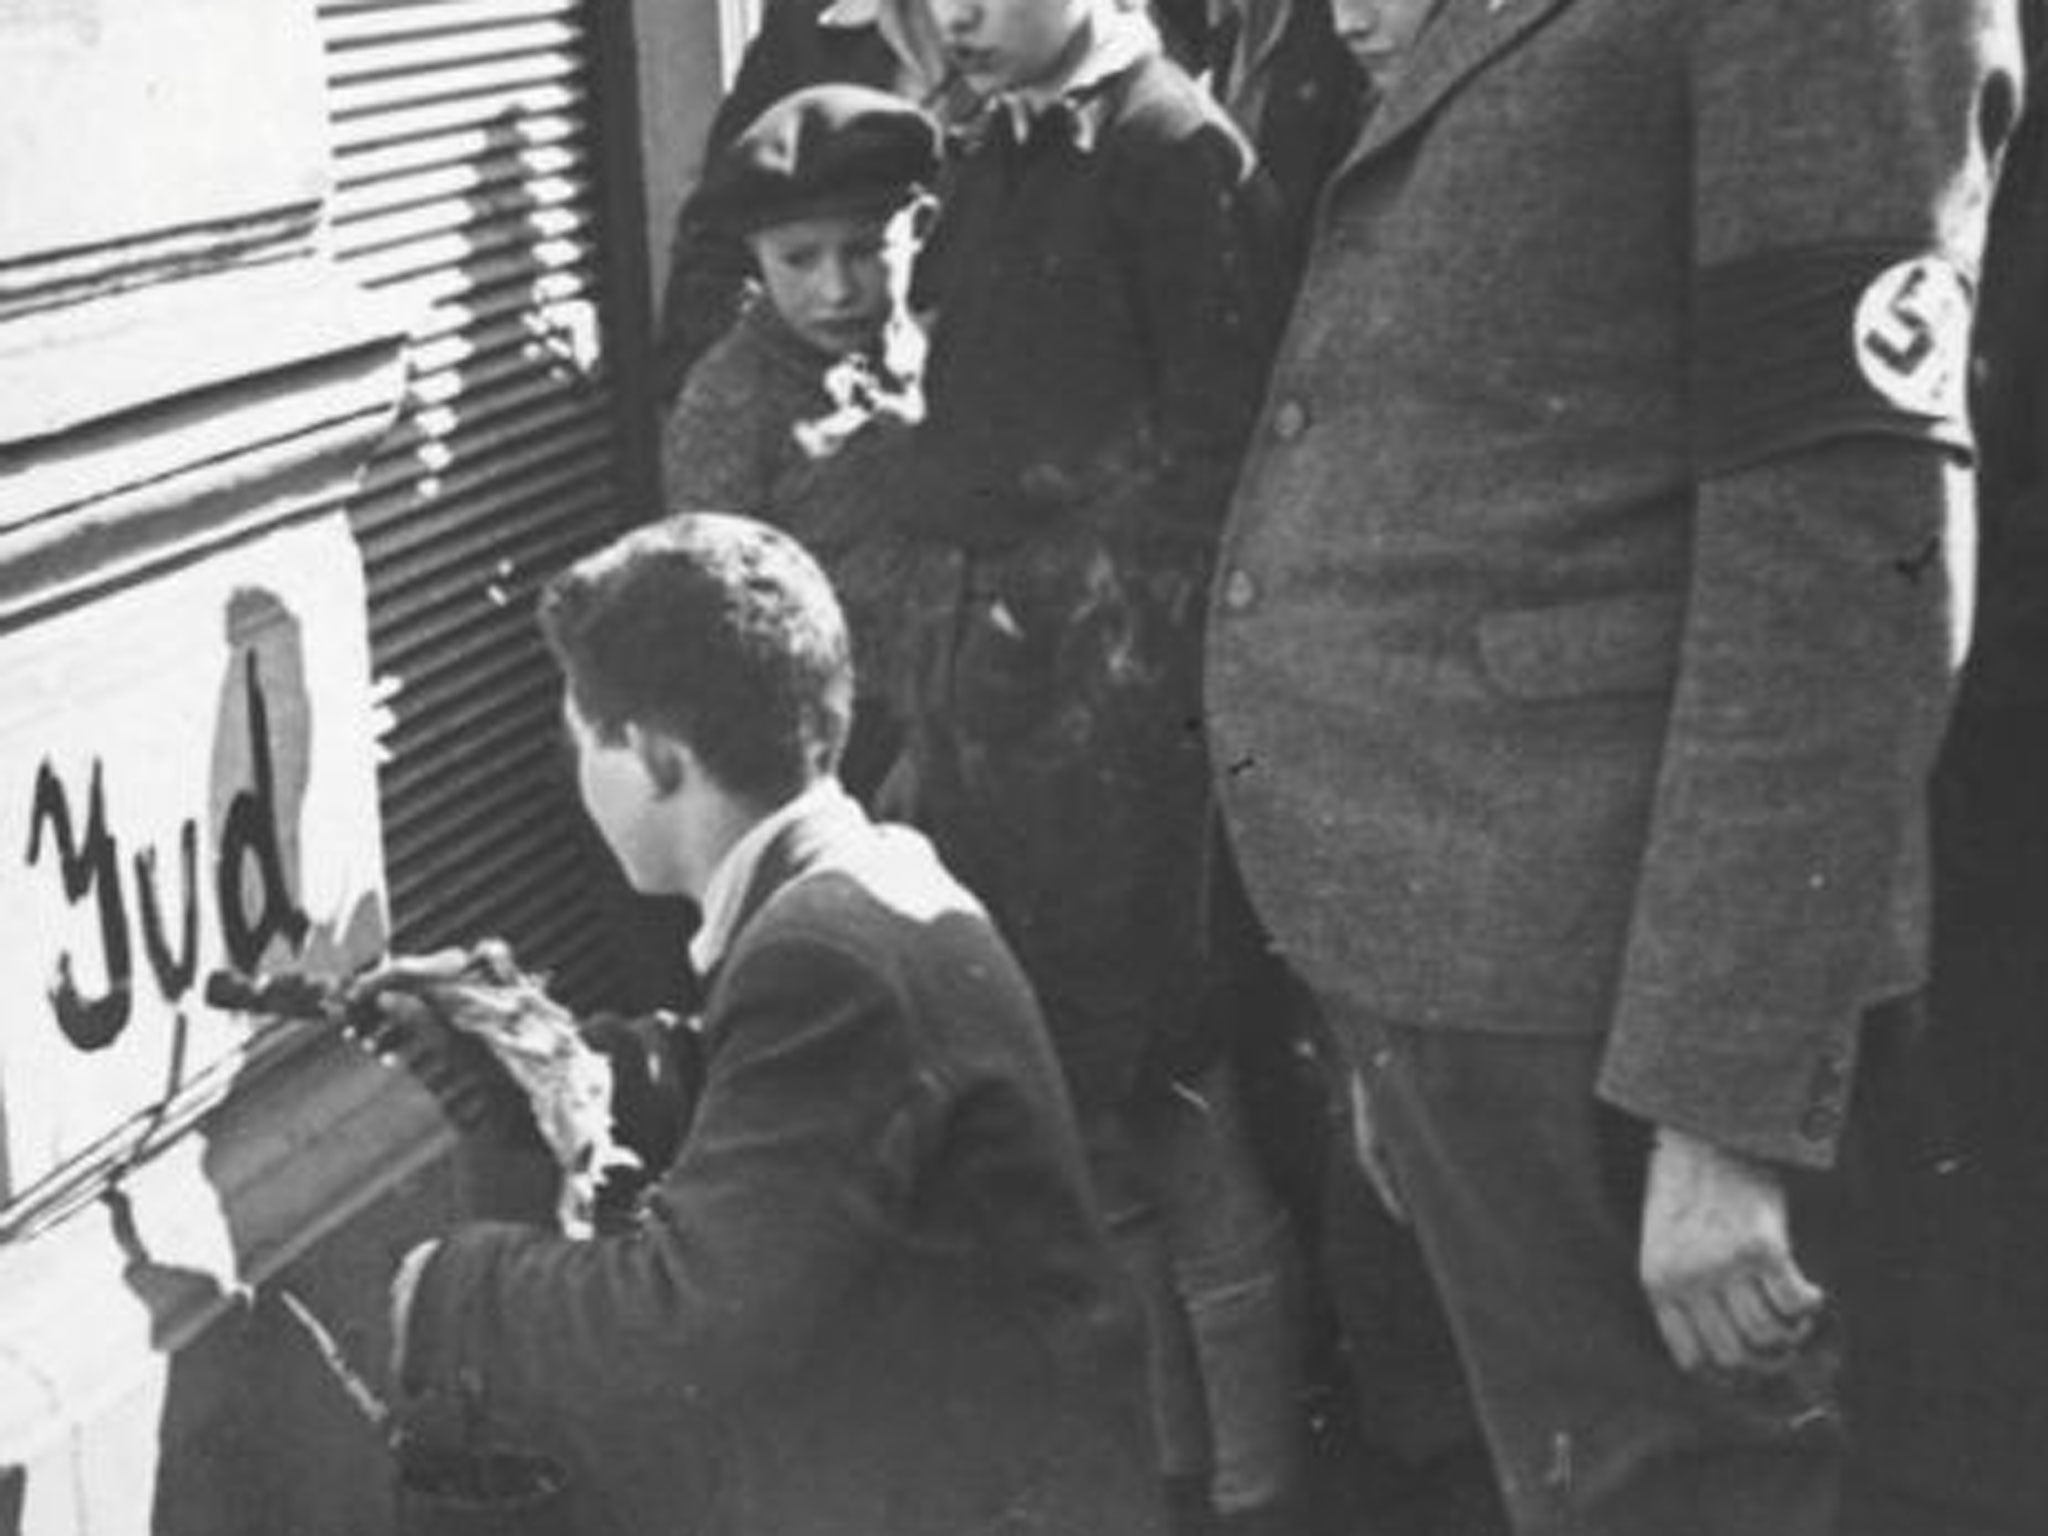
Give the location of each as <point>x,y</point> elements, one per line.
<point>405,1013</point>
<point>1717,1260</point>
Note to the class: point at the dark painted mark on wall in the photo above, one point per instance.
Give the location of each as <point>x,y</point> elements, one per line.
<point>91,867</point>
<point>254,912</point>
<point>174,973</point>
<point>251,833</point>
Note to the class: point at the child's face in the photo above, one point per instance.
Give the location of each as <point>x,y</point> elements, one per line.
<point>835,278</point>
<point>999,45</point>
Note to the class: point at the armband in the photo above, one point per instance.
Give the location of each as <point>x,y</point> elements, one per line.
<point>1795,348</point>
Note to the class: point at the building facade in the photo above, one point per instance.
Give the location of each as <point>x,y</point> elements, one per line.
<point>322,330</point>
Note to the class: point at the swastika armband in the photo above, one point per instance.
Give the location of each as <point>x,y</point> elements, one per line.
<point>1794,348</point>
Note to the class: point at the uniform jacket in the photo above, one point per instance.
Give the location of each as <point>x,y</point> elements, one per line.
<point>1539,701</point>
<point>871,1296</point>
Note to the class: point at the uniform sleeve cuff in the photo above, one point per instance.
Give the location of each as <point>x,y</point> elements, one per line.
<point>1752,1088</point>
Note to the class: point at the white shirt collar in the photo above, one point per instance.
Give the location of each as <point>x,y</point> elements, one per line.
<point>730,881</point>
<point>1122,38</point>
<point>851,13</point>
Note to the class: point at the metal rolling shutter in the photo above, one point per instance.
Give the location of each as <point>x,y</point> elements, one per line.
<point>466,185</point>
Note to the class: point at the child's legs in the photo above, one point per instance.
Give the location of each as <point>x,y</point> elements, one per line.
<point>1236,1277</point>
<point>1130,1199</point>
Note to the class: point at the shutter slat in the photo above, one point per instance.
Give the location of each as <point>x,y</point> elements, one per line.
<point>447,601</point>
<point>547,913</point>
<point>454,522</point>
<point>474,406</point>
<point>363,168</point>
<point>464,721</point>
<point>496,171</point>
<point>545,205</point>
<point>350,25</point>
<point>550,237</point>
<point>477,884</point>
<point>495,111</point>
<point>473,672</point>
<point>483,427</point>
<point>438,869</point>
<point>445,52</point>
<point>491,79</point>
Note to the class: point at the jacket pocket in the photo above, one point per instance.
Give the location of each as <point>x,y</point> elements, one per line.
<point>1610,645</point>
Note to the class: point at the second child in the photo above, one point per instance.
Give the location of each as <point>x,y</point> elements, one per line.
<point>1105,276</point>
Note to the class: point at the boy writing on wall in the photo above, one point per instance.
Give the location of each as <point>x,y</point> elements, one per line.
<point>871,1295</point>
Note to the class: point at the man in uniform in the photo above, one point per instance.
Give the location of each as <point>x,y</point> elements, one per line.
<point>1584,633</point>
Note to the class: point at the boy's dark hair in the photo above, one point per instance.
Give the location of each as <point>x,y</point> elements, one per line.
<point>718,631</point>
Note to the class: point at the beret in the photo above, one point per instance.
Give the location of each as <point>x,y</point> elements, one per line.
<point>824,149</point>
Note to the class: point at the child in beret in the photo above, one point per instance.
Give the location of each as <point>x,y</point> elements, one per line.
<point>830,190</point>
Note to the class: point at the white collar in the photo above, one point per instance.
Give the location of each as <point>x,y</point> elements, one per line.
<point>734,876</point>
<point>851,13</point>
<point>1122,38</point>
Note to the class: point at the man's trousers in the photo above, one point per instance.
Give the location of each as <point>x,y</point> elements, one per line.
<point>1526,1195</point>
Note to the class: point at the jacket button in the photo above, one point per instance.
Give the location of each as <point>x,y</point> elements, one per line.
<point>1238,591</point>
<point>1821,1122</point>
<point>1290,420</point>
<point>1827,1092</point>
